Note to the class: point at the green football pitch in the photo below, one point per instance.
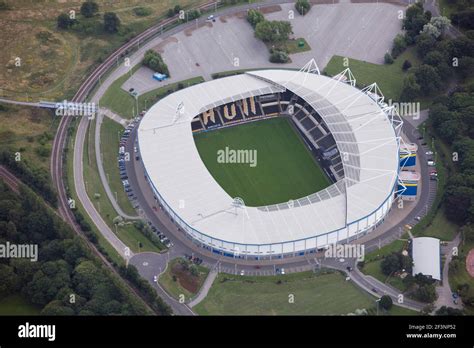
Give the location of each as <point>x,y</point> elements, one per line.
<point>284,170</point>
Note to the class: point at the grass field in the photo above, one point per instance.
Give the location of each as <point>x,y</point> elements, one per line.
<point>389,77</point>
<point>128,233</point>
<point>110,133</point>
<point>440,227</point>
<point>326,294</point>
<point>185,284</point>
<point>284,168</point>
<point>54,62</point>
<point>29,131</point>
<point>373,260</point>
<point>16,305</point>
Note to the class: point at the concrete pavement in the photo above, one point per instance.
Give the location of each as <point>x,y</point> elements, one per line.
<point>444,291</point>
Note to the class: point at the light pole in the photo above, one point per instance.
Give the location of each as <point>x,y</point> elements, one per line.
<point>377,301</point>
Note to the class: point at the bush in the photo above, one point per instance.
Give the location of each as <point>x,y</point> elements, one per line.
<point>142,11</point>
<point>89,9</point>
<point>302,6</point>
<point>254,17</point>
<point>406,65</point>
<point>388,59</point>
<point>464,19</point>
<point>155,62</point>
<point>273,31</point>
<point>386,302</point>
<point>278,56</point>
<point>111,22</point>
<point>399,45</point>
<point>4,6</point>
<point>170,13</point>
<point>64,21</point>
<point>192,14</point>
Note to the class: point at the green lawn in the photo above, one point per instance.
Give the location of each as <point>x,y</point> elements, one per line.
<point>373,260</point>
<point>101,241</point>
<point>125,105</point>
<point>325,294</point>
<point>440,227</point>
<point>285,169</point>
<point>128,233</point>
<point>16,305</point>
<point>293,45</point>
<point>178,287</point>
<point>110,133</point>
<point>389,77</point>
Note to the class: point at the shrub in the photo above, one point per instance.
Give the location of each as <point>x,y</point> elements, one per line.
<point>386,302</point>
<point>399,45</point>
<point>64,21</point>
<point>155,62</point>
<point>388,59</point>
<point>142,11</point>
<point>111,22</point>
<point>302,6</point>
<point>406,65</point>
<point>89,9</point>
<point>254,17</point>
<point>278,56</point>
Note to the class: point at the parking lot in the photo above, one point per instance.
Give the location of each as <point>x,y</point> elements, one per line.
<point>362,31</point>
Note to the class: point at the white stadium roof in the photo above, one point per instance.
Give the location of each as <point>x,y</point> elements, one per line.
<point>363,133</point>
<point>426,257</point>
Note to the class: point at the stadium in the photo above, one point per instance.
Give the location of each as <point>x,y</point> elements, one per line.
<point>327,169</point>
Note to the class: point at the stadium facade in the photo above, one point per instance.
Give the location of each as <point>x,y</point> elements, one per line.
<point>356,133</point>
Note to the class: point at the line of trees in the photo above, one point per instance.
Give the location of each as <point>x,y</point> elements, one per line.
<point>273,33</point>
<point>67,279</point>
<point>87,24</point>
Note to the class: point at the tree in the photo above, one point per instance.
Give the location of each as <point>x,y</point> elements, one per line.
<point>154,61</point>
<point>464,19</point>
<point>386,302</point>
<point>428,79</point>
<point>414,20</point>
<point>426,293</point>
<point>279,56</point>
<point>64,21</point>
<point>390,264</point>
<point>273,31</point>
<point>449,311</point>
<point>302,6</point>
<point>9,281</point>
<point>431,30</point>
<point>89,9</point>
<point>111,22</point>
<point>411,89</point>
<point>57,308</point>
<point>399,45</point>
<point>254,17</point>
<point>193,14</point>
<point>424,44</point>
